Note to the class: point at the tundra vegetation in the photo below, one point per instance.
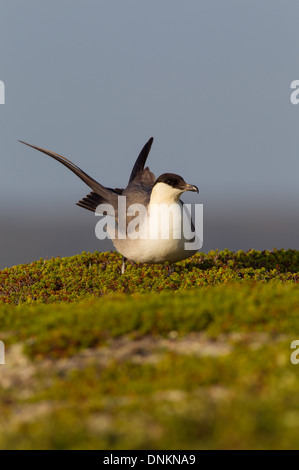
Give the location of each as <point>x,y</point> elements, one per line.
<point>194,355</point>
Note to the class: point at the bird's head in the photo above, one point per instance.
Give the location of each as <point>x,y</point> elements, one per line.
<point>169,187</point>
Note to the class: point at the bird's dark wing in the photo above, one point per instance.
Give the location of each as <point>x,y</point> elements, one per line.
<point>92,200</point>
<point>139,190</point>
<point>140,162</point>
<point>103,194</point>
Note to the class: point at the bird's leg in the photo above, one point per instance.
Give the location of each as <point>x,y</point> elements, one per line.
<point>123,265</point>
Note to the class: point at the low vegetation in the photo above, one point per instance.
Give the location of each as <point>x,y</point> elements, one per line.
<point>190,356</point>
<point>92,275</point>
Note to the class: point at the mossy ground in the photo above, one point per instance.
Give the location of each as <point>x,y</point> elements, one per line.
<point>91,275</point>
<point>191,356</point>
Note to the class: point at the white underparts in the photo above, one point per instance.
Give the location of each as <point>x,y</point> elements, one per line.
<point>157,234</point>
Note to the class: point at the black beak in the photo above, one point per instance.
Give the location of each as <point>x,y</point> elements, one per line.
<point>191,187</point>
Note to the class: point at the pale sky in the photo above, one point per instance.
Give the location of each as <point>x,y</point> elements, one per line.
<point>93,80</point>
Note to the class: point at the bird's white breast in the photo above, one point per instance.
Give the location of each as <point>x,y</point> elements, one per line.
<point>161,231</point>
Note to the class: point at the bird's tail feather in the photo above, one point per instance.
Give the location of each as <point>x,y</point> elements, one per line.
<point>106,194</point>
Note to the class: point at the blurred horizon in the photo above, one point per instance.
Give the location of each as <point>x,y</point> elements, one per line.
<point>73,232</point>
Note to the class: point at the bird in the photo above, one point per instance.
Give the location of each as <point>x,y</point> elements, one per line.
<point>151,193</point>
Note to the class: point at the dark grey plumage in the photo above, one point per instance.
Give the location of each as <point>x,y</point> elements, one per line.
<point>140,184</point>
<point>143,189</point>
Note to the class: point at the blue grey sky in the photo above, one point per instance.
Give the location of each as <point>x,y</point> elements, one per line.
<point>93,80</point>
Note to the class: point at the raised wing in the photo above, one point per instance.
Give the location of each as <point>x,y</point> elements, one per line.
<point>141,159</point>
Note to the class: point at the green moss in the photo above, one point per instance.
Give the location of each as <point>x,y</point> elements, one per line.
<point>92,275</point>
<point>64,329</point>
<point>246,399</point>
<point>191,356</point>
